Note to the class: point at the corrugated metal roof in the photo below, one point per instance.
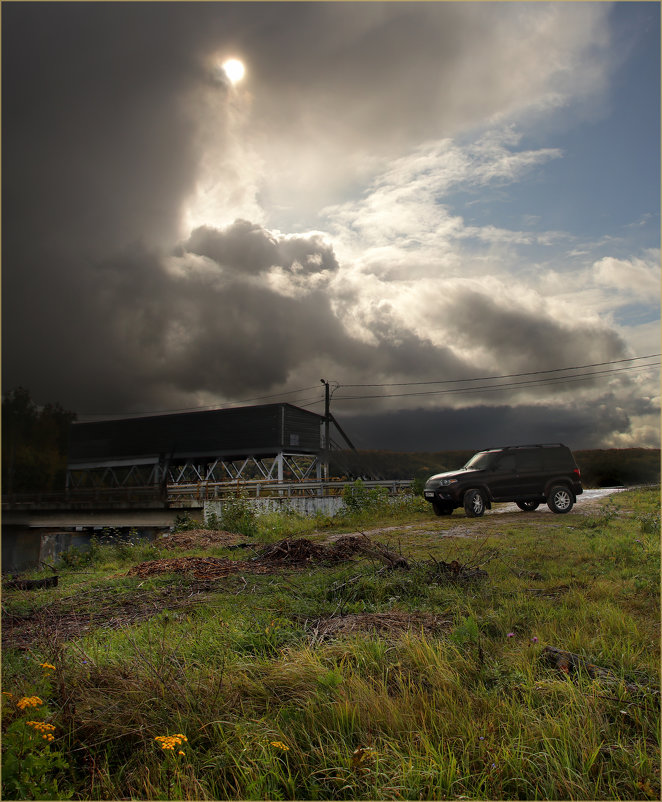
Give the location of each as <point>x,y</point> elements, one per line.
<point>240,431</point>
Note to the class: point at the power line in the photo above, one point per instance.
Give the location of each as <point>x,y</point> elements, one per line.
<point>490,387</point>
<point>313,400</point>
<point>506,375</point>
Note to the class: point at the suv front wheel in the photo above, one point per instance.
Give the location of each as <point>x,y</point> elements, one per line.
<point>474,503</point>
<point>560,499</point>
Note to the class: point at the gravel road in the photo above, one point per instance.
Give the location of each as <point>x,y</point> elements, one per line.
<point>585,499</point>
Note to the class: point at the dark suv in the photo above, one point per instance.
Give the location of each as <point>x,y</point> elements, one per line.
<point>527,475</point>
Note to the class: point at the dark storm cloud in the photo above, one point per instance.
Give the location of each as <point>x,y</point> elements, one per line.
<point>196,331</point>
<point>483,426</point>
<point>518,337</point>
<point>221,331</point>
<point>110,306</point>
<point>98,148</point>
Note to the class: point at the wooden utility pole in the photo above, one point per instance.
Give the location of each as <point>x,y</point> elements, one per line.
<point>327,420</point>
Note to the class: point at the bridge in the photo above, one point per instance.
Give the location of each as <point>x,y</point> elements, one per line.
<point>143,473</point>
<point>139,506</point>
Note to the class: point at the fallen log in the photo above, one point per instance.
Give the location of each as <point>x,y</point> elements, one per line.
<point>32,584</point>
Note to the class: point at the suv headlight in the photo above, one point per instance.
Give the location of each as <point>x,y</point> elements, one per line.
<point>446,482</point>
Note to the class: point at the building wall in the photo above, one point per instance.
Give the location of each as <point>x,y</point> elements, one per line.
<point>305,505</point>
<point>271,428</point>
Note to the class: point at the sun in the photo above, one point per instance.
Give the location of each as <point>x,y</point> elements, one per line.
<point>234,70</point>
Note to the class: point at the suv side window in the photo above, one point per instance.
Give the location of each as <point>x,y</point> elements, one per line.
<point>506,464</point>
<point>528,459</point>
<point>558,459</point>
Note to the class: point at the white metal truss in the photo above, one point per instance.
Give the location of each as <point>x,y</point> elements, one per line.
<point>118,477</point>
<point>279,467</point>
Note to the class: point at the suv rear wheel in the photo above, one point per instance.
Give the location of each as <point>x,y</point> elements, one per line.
<point>560,499</point>
<point>528,506</point>
<point>474,503</point>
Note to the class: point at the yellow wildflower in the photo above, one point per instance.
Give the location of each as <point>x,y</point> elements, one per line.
<point>280,745</point>
<point>29,701</point>
<point>47,665</point>
<point>44,728</point>
<point>169,742</point>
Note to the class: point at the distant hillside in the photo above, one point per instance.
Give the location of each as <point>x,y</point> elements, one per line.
<point>599,467</point>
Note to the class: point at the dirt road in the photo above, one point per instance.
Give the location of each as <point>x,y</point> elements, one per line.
<point>583,501</point>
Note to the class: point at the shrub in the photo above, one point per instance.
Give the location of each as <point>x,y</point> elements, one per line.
<point>184,523</point>
<point>239,515</point>
<point>359,498</point>
<point>418,486</point>
<point>78,558</point>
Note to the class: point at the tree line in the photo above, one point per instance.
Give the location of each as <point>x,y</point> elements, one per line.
<point>34,444</point>
<point>599,467</point>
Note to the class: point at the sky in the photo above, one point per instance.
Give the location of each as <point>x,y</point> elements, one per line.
<point>448,211</point>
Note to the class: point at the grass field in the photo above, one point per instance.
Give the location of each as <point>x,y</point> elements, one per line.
<point>347,678</point>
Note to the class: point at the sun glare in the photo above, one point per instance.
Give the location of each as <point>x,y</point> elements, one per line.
<point>234,69</point>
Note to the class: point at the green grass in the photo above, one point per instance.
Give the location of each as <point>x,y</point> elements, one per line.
<point>272,712</point>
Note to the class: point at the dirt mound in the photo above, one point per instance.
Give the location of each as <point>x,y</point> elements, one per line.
<point>392,623</point>
<point>294,551</point>
<point>301,551</point>
<point>290,553</point>
<point>200,567</point>
<point>305,551</point>
<point>347,546</point>
<point>199,539</point>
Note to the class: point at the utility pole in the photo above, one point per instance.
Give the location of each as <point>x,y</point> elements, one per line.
<point>327,420</point>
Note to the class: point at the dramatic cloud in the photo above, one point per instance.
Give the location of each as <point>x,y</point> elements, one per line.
<point>487,426</point>
<point>387,197</point>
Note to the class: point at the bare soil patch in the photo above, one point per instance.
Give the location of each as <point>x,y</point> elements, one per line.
<point>76,615</point>
<point>200,539</point>
<point>200,567</point>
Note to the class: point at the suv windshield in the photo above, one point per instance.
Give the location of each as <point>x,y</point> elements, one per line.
<point>480,461</point>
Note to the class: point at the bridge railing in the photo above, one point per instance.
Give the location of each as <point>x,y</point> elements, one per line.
<point>181,494</point>
<point>259,488</point>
